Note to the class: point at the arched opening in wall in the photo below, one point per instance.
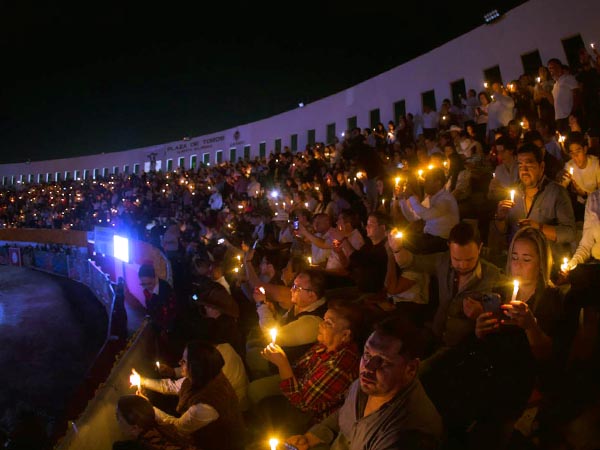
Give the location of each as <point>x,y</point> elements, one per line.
<point>147,166</point>
<point>232,154</point>
<point>126,169</point>
<point>67,175</point>
<point>86,174</point>
<point>30,178</point>
<point>58,176</point>
<point>428,99</point>
<point>330,133</point>
<point>374,117</point>
<point>77,175</point>
<point>531,61</point>
<point>492,75</point>
<point>294,142</point>
<point>136,168</point>
<point>311,137</point>
<point>181,163</point>
<point>219,157</point>
<point>116,170</point>
<point>4,180</point>
<point>158,165</point>
<point>262,150</point>
<point>169,165</point>
<point>247,152</point>
<point>95,173</point>
<point>351,123</point>
<point>193,161</point>
<point>278,145</point>
<point>206,159</point>
<point>459,91</point>
<point>399,110</point>
<point>571,46</point>
<point>105,172</point>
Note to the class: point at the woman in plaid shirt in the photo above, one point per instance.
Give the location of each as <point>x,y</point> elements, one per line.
<point>318,382</point>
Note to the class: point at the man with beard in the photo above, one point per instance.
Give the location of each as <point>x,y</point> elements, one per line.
<point>459,270</point>
<point>386,407</point>
<point>539,203</point>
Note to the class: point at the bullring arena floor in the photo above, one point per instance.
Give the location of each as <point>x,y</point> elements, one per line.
<point>50,332</point>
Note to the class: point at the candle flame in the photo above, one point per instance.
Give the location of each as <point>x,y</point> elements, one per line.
<point>571,170</point>
<point>135,379</point>
<point>158,365</point>
<point>516,284</point>
<point>273,443</point>
<point>261,290</point>
<point>398,235</point>
<point>309,260</point>
<point>512,195</point>
<point>273,333</point>
<point>397,179</point>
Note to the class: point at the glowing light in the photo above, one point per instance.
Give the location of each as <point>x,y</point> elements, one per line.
<point>158,365</point>
<point>135,379</point>
<point>571,170</point>
<point>273,333</point>
<point>261,290</point>
<point>273,443</point>
<point>515,290</point>
<point>512,195</point>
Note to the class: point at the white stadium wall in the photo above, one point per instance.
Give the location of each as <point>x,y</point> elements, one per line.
<point>536,25</point>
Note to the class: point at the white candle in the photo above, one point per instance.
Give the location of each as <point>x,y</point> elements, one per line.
<point>564,267</point>
<point>397,179</point>
<point>261,290</point>
<point>398,235</point>
<point>309,260</point>
<point>512,195</point>
<point>273,333</point>
<point>571,170</point>
<point>383,202</point>
<point>158,365</point>
<point>420,172</point>
<point>515,290</point>
<point>273,443</point>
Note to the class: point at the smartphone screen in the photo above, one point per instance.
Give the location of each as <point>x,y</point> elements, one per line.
<point>296,224</point>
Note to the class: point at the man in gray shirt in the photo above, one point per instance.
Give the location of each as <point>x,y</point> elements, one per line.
<point>386,408</point>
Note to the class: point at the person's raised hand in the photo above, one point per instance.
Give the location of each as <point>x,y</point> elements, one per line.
<point>275,354</point>
<point>503,209</point>
<point>520,314</point>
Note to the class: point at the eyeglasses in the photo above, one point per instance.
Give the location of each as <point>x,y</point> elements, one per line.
<point>295,287</point>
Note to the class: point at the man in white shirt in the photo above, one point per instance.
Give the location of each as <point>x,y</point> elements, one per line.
<point>253,189</point>
<point>430,122</point>
<point>565,94</point>
<point>215,201</point>
<point>581,172</point>
<point>501,110</point>
<point>438,209</point>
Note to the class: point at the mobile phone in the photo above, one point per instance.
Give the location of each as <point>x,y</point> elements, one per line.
<point>296,224</point>
<point>220,241</point>
<point>491,303</point>
<point>195,297</point>
<point>400,166</point>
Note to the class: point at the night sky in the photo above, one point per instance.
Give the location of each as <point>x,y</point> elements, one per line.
<point>94,78</point>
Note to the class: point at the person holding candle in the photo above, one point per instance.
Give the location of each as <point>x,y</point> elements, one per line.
<point>581,174</point>
<point>539,203</point>
<point>316,384</point>
<point>208,408</point>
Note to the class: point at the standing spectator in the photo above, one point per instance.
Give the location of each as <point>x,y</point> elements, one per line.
<point>500,111</point>
<point>481,114</point>
<point>430,122</point>
<point>565,94</point>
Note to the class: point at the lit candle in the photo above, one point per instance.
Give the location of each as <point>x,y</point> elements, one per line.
<point>564,267</point>
<point>135,379</point>
<point>515,290</point>
<point>239,257</point>
<point>236,269</point>
<point>420,172</point>
<point>273,443</point>
<point>261,290</point>
<point>158,365</point>
<point>398,235</point>
<point>561,138</point>
<point>538,79</point>
<point>485,84</point>
<point>571,170</point>
<point>383,202</point>
<point>512,195</point>
<point>397,179</point>
<point>273,333</point>
<point>309,260</point>
<point>430,166</point>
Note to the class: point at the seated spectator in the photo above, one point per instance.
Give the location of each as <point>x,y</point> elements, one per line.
<point>140,429</point>
<point>581,175</point>
<point>345,240</point>
<point>438,209</point>
<point>297,328</point>
<point>506,175</point>
<point>386,407</point>
<point>316,385</point>
<point>539,203</point>
<point>588,249</point>
<point>208,408</point>
<point>321,241</point>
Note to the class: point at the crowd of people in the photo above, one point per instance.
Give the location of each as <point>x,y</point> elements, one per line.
<point>429,284</point>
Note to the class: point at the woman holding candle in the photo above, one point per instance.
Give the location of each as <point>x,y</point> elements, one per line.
<point>316,384</point>
<point>208,408</point>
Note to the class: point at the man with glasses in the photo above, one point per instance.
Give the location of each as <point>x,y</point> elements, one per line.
<point>387,406</point>
<point>539,203</point>
<point>581,175</point>
<point>297,328</point>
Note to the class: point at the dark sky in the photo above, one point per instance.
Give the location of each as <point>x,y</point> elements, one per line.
<point>94,78</point>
